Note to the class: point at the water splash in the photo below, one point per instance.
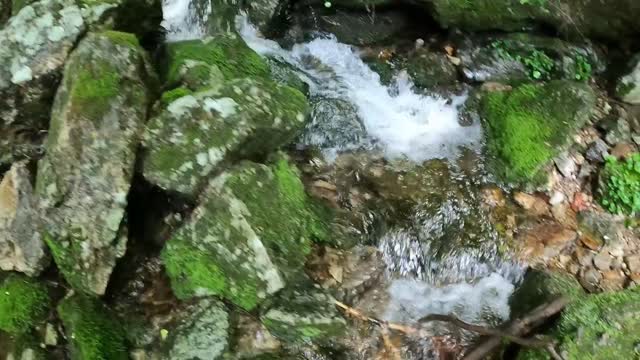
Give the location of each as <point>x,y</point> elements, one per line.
<point>185,19</point>
<point>399,120</point>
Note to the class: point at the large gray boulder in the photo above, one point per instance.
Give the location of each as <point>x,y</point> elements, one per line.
<point>247,239</point>
<point>197,133</point>
<point>21,245</point>
<point>606,19</point>
<point>96,123</point>
<point>202,332</point>
<point>34,46</point>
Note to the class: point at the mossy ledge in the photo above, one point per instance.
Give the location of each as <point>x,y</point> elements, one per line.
<point>528,126</point>
<point>23,304</point>
<point>93,331</point>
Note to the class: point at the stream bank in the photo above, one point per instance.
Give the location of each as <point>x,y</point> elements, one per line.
<point>207,183</point>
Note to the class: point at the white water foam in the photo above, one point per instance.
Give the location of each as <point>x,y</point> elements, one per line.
<point>183,21</point>
<point>403,122</point>
<point>483,302</point>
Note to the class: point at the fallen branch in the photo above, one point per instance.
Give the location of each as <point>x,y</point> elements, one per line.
<point>520,327</point>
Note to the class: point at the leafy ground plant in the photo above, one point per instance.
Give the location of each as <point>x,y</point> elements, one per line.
<point>620,185</point>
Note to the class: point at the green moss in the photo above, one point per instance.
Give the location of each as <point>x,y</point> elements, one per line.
<point>597,327</point>
<point>17,5</point>
<point>122,38</point>
<point>542,286</point>
<point>527,127</point>
<point>619,188</point>
<point>66,257</point>
<point>485,14</point>
<point>182,260</point>
<point>94,332</point>
<point>229,53</point>
<point>93,88</point>
<point>169,96</point>
<point>23,303</point>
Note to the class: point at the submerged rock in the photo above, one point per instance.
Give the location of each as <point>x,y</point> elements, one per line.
<point>607,19</point>
<point>202,332</point>
<point>96,123</point>
<point>249,236</point>
<point>429,69</point>
<point>304,315</point>
<point>530,125</point>
<point>92,329</point>
<point>197,133</point>
<point>21,245</point>
<point>358,28</point>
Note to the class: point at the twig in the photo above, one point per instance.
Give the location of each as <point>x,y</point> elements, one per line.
<point>519,327</point>
<point>484,330</point>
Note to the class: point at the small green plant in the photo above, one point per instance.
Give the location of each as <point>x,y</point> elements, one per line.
<point>620,185</point>
<point>582,68</point>
<point>538,63</point>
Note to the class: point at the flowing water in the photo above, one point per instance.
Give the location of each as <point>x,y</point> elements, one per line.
<point>353,110</point>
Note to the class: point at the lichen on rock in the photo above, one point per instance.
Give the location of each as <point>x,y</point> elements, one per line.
<point>235,245</point>
<point>196,133</point>
<point>21,245</point>
<point>528,126</point>
<point>97,121</point>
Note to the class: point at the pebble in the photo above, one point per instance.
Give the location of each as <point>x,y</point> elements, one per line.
<point>566,165</point>
<point>590,279</point>
<point>603,261</point>
<point>633,263</point>
<point>556,198</point>
<point>597,151</point>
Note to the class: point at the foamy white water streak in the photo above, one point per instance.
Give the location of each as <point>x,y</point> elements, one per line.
<point>183,21</point>
<point>402,121</point>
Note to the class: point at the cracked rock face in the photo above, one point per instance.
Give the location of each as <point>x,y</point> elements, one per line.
<point>96,123</point>
<point>21,247</point>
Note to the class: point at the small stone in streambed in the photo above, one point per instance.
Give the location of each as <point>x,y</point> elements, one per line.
<point>598,151</point>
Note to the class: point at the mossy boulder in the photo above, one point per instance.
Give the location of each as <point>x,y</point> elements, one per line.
<point>596,327</point>
<point>520,57</point>
<point>529,125</point>
<point>229,53</point>
<point>197,133</point>
<point>5,11</point>
<point>235,245</point>
<point>24,303</point>
<point>97,121</point>
<point>93,330</point>
<point>607,19</point>
<point>201,333</point>
<point>34,46</point>
<point>304,314</point>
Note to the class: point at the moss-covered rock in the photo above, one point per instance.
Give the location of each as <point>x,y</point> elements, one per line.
<point>516,58</point>
<point>301,315</point>
<point>83,181</point>
<point>5,11</point>
<point>23,303</point>
<point>608,19</point>
<point>596,327</point>
<point>93,331</point>
<point>528,126</point>
<point>539,287</point>
<point>235,244</point>
<point>36,43</point>
<point>228,53</point>
<point>429,69</point>
<point>202,332</point>
<point>196,133</point>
